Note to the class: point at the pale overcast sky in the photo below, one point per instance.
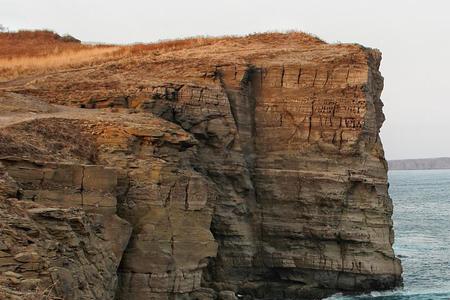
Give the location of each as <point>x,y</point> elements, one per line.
<point>414,37</point>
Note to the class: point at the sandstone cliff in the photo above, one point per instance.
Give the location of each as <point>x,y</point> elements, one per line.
<point>236,167</point>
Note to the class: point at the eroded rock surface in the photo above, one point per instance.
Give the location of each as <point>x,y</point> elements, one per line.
<point>48,252</point>
<point>248,167</point>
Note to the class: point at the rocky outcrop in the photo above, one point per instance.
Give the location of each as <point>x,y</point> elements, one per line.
<point>245,168</point>
<point>48,251</point>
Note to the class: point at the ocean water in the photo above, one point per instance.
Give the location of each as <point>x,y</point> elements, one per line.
<point>422,235</point>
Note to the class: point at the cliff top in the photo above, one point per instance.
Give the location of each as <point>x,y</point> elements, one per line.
<point>72,73</point>
<point>35,43</point>
<point>31,52</point>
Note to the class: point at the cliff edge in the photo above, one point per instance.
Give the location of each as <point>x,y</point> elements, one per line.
<point>223,168</point>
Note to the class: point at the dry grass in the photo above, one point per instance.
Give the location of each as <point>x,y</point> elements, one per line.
<point>35,43</point>
<point>173,45</point>
<point>200,41</point>
<point>30,52</point>
<point>24,64</point>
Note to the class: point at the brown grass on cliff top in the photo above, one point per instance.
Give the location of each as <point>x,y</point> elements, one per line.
<point>17,66</point>
<point>35,43</point>
<point>268,37</point>
<point>27,52</point>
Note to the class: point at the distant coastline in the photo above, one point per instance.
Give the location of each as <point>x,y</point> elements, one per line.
<point>420,164</point>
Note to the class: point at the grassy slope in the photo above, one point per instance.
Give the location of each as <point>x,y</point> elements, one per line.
<point>31,52</point>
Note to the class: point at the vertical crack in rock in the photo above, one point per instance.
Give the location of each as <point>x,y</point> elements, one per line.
<point>82,185</point>
<point>282,77</point>
<point>315,77</point>
<point>299,75</point>
<point>186,199</point>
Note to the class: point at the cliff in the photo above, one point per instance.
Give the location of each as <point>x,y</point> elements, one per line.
<point>420,164</point>
<point>217,168</point>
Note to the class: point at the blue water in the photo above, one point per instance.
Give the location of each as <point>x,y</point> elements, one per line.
<point>422,235</point>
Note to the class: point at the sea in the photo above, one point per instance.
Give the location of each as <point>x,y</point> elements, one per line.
<point>422,235</point>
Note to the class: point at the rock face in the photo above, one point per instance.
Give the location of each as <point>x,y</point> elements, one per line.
<point>48,251</point>
<point>248,166</point>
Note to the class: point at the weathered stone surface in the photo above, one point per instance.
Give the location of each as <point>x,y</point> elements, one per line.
<point>49,252</point>
<point>250,168</point>
<point>64,184</point>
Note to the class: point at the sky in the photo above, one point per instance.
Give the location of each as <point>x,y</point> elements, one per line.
<point>414,37</point>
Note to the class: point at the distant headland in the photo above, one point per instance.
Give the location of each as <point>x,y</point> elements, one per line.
<point>420,164</point>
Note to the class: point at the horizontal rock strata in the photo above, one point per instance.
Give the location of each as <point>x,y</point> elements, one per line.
<point>251,168</point>
<point>47,251</point>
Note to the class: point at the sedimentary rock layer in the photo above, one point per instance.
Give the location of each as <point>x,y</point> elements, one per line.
<point>47,251</point>
<point>248,166</point>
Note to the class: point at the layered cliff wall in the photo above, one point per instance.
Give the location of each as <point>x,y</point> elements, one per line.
<point>246,167</point>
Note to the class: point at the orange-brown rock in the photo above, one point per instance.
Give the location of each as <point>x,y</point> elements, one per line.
<point>247,167</point>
